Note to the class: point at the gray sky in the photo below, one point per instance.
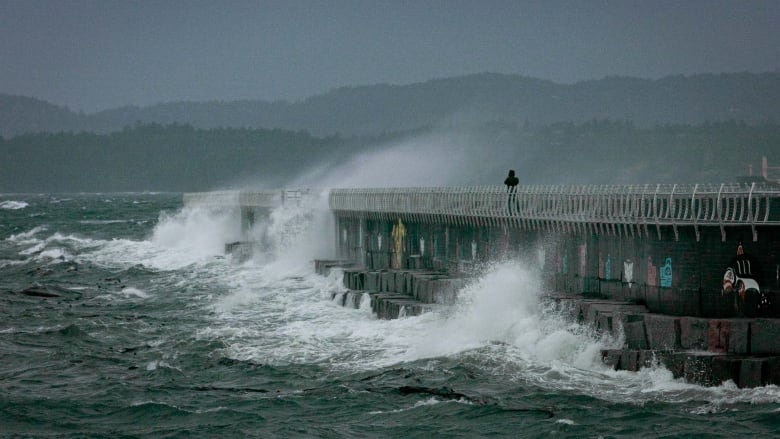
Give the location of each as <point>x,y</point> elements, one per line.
<point>92,55</point>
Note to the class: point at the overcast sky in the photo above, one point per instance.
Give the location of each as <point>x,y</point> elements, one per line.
<point>92,55</point>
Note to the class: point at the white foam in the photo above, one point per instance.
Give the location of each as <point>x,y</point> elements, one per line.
<point>13,205</point>
<point>54,254</point>
<point>28,236</point>
<point>134,292</point>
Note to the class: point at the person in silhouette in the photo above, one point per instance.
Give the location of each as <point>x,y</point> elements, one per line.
<point>511,188</point>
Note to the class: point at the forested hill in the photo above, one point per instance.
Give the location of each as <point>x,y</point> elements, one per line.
<point>182,158</point>
<point>459,101</point>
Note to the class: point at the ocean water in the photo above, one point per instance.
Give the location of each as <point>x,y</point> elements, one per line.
<point>119,317</point>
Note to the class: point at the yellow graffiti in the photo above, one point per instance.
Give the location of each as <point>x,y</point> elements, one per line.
<point>399,235</point>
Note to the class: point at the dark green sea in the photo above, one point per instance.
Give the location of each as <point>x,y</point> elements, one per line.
<point>119,317</point>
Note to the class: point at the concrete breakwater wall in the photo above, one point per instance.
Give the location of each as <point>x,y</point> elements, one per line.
<point>705,351</point>
<point>701,350</point>
<point>662,264</point>
<point>682,251</point>
<point>395,293</point>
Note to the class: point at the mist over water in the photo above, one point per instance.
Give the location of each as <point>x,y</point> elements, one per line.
<point>440,158</point>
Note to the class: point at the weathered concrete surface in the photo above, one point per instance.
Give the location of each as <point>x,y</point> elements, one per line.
<point>663,332</point>
<point>764,336</point>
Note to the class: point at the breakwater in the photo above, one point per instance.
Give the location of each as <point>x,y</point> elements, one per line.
<point>688,276</point>
<point>700,350</point>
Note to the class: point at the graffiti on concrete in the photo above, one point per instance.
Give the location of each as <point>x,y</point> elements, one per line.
<point>742,279</point>
<point>399,235</point>
<point>628,272</point>
<point>652,273</point>
<point>740,275</point>
<point>666,274</point>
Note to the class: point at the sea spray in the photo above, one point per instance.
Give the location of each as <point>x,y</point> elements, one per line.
<point>201,231</point>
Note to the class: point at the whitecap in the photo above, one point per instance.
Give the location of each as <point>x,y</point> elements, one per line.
<point>134,292</point>
<point>13,205</point>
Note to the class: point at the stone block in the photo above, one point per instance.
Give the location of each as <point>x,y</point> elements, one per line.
<point>725,368</point>
<point>765,337</point>
<point>694,333</point>
<point>751,372</point>
<point>663,332</point>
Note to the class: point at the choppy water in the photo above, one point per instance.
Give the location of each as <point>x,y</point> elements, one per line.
<point>118,317</point>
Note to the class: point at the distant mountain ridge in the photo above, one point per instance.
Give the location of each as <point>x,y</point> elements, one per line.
<point>472,99</point>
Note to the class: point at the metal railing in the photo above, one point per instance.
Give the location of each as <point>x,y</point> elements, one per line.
<point>601,208</point>
<point>260,198</point>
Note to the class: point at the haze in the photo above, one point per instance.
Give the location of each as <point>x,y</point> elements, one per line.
<point>93,55</point>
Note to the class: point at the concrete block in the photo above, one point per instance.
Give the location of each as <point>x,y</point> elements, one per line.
<point>751,372</point>
<point>611,357</point>
<point>725,368</point>
<point>347,278</point>
<point>672,360</point>
<point>773,370</point>
<point>739,333</point>
<point>400,282</point>
<point>636,338</point>
<point>445,290</point>
<point>419,289</point>
<point>765,337</point>
<point>372,281</point>
<point>663,332</point>
<point>646,358</point>
<point>590,312</point>
<point>698,369</point>
<point>390,281</point>
<point>604,322</point>
<point>718,335</point>
<point>629,360</point>
<point>694,333</point>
